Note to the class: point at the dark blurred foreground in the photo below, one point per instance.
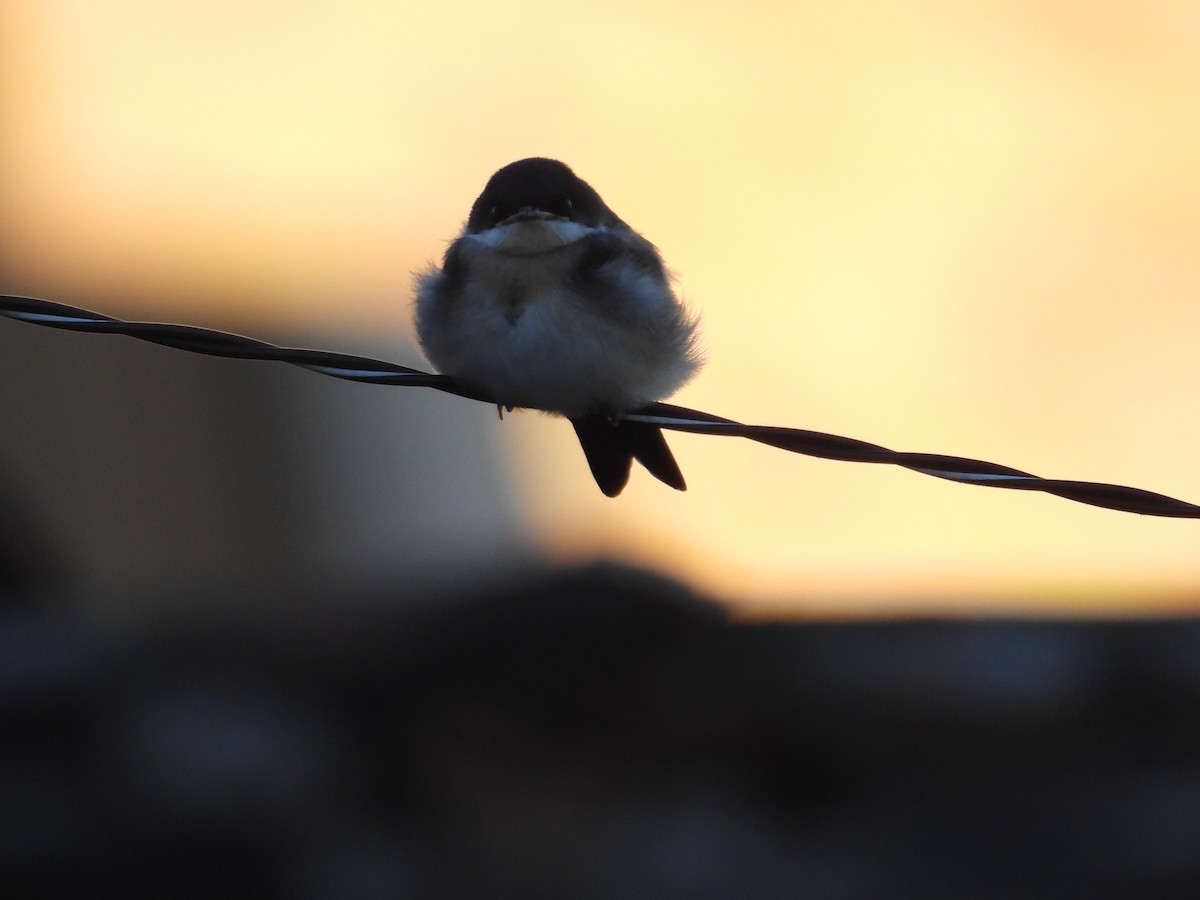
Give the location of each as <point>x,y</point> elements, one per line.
<point>595,733</point>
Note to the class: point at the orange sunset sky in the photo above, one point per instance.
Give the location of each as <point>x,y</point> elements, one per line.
<point>961,228</point>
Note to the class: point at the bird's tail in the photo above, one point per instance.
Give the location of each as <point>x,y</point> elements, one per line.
<point>612,446</point>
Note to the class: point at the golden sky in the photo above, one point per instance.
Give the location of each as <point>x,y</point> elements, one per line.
<point>961,228</point>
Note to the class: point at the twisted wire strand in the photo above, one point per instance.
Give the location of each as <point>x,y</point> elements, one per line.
<point>675,418</point>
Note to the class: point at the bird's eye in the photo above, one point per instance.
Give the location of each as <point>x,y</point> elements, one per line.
<point>570,205</point>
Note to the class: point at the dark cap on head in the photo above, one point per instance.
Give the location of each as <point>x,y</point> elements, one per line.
<point>541,184</point>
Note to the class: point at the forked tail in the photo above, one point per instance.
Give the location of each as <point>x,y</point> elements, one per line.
<point>611,447</point>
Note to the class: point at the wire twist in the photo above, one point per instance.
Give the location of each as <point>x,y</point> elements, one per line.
<point>675,418</point>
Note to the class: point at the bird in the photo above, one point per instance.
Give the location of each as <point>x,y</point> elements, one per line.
<point>548,300</point>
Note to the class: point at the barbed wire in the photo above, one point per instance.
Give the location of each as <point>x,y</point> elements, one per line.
<point>675,418</point>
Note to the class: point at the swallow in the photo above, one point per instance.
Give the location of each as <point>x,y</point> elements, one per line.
<point>547,300</point>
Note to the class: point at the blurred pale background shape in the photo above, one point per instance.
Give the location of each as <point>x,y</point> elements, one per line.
<point>961,228</point>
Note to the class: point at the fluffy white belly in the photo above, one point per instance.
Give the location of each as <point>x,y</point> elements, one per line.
<point>552,352</point>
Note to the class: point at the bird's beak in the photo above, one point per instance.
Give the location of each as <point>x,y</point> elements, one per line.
<point>529,214</point>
